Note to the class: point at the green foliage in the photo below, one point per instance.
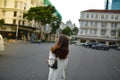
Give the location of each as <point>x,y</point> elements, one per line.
<point>75,31</point>
<point>55,24</point>
<point>41,14</point>
<point>67,31</point>
<point>2,22</point>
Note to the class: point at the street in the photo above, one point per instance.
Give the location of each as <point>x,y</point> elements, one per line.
<point>28,61</point>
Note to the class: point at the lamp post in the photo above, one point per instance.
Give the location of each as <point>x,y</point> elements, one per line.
<point>17,29</point>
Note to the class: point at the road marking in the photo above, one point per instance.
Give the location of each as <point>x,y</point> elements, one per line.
<point>118,69</point>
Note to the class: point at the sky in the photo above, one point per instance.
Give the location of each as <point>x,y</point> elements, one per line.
<point>70,9</point>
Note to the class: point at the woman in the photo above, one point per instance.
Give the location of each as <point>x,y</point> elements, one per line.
<point>59,52</point>
<point>1,43</point>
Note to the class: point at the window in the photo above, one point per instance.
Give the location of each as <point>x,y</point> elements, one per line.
<point>86,31</point>
<point>106,17</point>
<point>96,16</point>
<point>103,32</point>
<point>112,17</point>
<point>23,22</point>
<point>15,13</point>
<point>16,3</point>
<point>103,24</point>
<point>32,2</point>
<point>102,16</point>
<point>95,32</point>
<point>113,33</point>
<point>3,13</point>
<point>14,21</point>
<point>5,3</point>
<point>91,15</point>
<point>95,24</point>
<point>91,23</point>
<point>86,23</point>
<point>113,25</point>
<point>90,32</point>
<point>19,22</point>
<point>25,6</point>
<point>116,17</point>
<point>87,16</point>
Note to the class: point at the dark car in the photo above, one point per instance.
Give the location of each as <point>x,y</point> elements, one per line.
<point>113,46</point>
<point>89,44</point>
<point>100,46</point>
<point>118,48</point>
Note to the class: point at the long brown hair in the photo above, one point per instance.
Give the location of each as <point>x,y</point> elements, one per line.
<point>61,48</point>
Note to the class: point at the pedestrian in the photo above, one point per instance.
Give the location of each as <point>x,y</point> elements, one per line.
<point>58,52</point>
<point>1,43</point>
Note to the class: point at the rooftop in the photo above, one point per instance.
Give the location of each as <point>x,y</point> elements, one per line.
<point>102,11</point>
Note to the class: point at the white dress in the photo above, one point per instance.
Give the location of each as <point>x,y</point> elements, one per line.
<point>1,43</point>
<point>59,73</point>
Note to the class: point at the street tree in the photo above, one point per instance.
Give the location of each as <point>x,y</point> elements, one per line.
<point>67,31</point>
<point>41,15</point>
<point>2,22</point>
<point>55,23</point>
<point>75,31</point>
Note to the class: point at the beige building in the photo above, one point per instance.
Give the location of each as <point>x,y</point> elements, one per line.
<point>12,12</point>
<point>99,26</point>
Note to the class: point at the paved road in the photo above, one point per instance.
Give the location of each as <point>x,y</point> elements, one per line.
<point>25,61</point>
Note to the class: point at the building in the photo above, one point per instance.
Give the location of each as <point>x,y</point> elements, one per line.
<point>12,11</point>
<point>99,26</point>
<point>112,4</point>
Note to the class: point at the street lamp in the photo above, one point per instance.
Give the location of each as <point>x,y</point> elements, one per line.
<point>17,29</point>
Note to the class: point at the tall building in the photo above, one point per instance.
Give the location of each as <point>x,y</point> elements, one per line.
<point>99,26</point>
<point>112,4</point>
<point>12,12</point>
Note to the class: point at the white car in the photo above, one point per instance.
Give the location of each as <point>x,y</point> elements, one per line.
<point>2,47</point>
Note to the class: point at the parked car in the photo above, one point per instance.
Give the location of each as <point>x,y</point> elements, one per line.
<point>113,46</point>
<point>100,46</point>
<point>2,47</point>
<point>118,48</point>
<point>35,41</point>
<point>89,44</point>
<point>82,44</point>
<point>73,42</point>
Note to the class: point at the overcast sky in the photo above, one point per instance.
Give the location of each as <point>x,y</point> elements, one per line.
<point>70,9</point>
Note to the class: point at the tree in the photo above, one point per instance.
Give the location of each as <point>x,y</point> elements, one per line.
<point>2,22</point>
<point>75,31</point>
<point>67,31</point>
<point>55,24</point>
<point>43,15</point>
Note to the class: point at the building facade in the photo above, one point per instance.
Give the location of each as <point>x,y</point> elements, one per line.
<point>112,4</point>
<point>99,26</point>
<point>12,12</point>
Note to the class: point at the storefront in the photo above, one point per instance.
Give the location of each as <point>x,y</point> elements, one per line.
<point>9,32</point>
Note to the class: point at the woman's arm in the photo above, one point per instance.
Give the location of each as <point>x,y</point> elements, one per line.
<point>51,59</point>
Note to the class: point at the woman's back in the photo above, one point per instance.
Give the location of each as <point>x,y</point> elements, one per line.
<point>59,52</point>
<point>59,73</point>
